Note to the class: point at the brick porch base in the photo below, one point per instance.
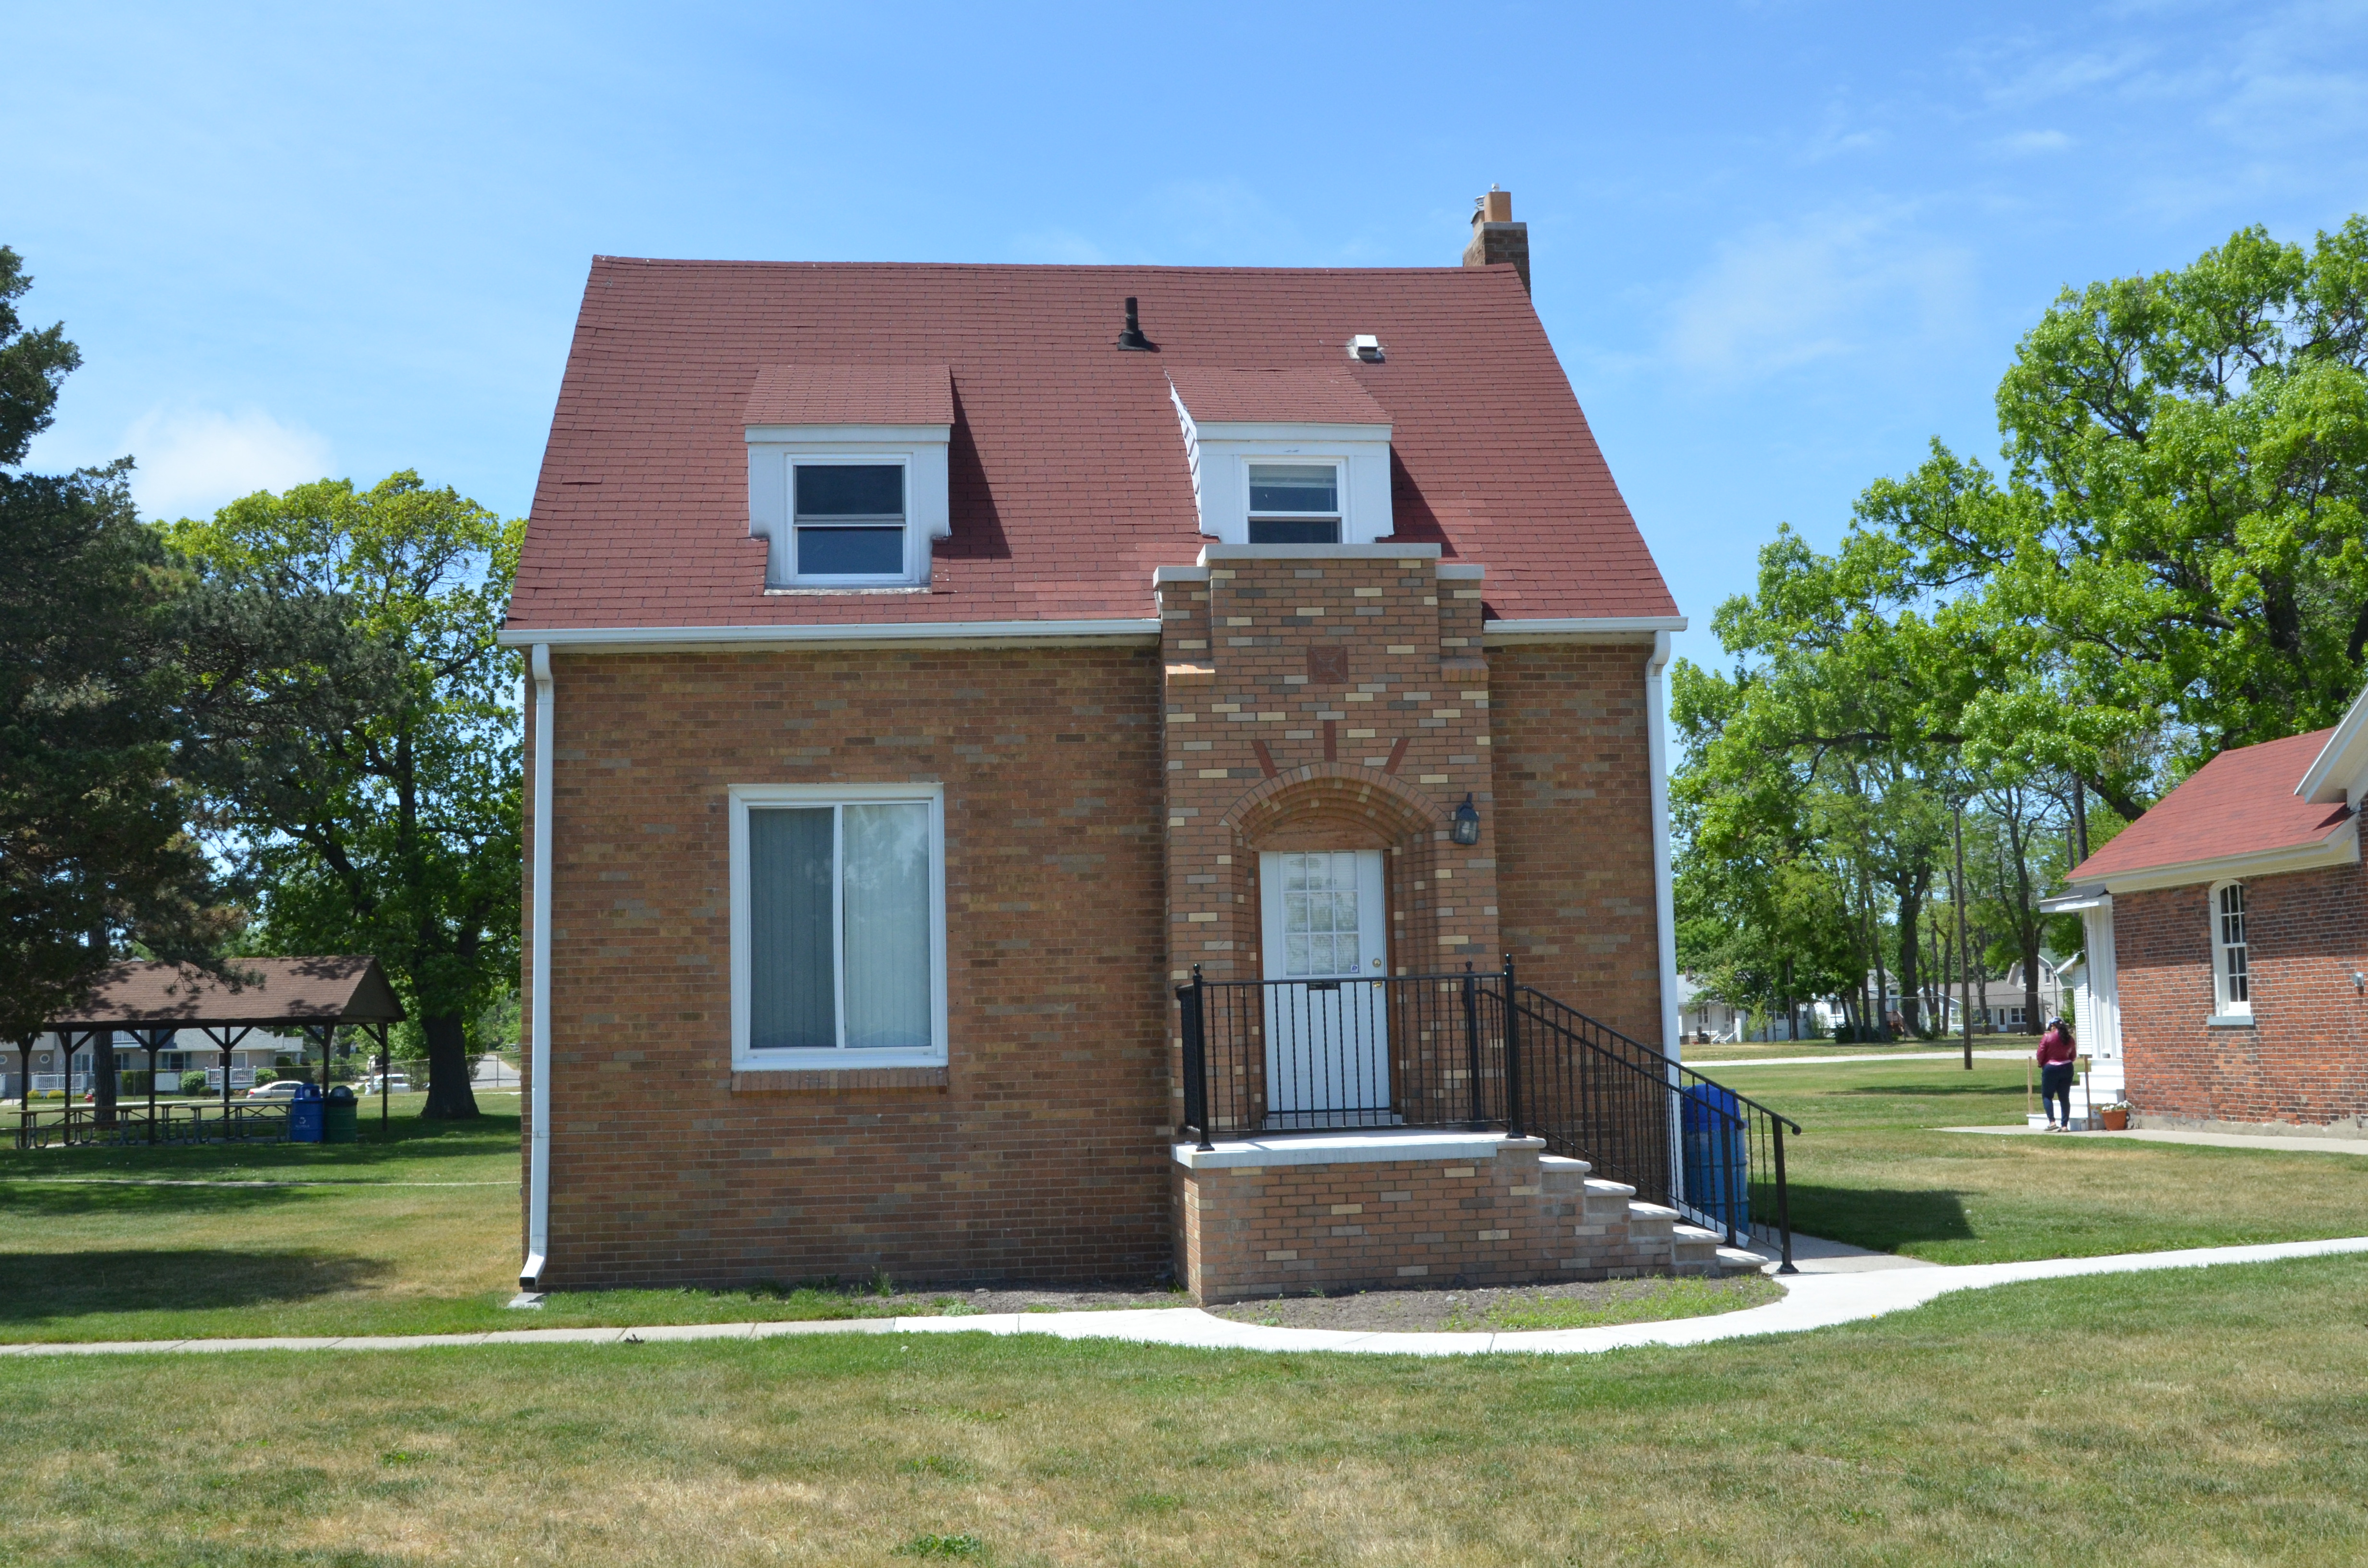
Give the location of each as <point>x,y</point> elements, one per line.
<point>1293,1213</point>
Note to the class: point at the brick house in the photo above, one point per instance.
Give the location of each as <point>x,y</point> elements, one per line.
<point>2225,984</point>
<point>934,666</point>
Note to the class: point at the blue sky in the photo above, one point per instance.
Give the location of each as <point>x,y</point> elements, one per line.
<point>1778,245</point>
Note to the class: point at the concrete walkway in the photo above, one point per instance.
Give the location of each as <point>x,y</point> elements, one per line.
<point>1875,1056</point>
<point>2278,1141</point>
<point>1811,1301</point>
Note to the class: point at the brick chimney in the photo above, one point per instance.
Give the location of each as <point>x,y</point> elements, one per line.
<point>1496,238</point>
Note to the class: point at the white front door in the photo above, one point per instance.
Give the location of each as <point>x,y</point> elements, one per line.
<point>1328,1056</point>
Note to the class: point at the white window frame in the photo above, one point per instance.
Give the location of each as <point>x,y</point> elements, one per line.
<point>911,574</point>
<point>2226,1010</point>
<point>1339,513</point>
<point>743,797</point>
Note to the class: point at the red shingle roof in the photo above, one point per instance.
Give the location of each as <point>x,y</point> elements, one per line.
<point>2241,803</point>
<point>1067,469</point>
<point>1276,397</point>
<point>851,395</point>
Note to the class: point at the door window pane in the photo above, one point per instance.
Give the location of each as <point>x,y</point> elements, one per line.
<point>887,913</point>
<point>792,987</point>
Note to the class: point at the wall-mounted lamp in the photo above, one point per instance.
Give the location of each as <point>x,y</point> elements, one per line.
<point>2360,983</point>
<point>1466,830</point>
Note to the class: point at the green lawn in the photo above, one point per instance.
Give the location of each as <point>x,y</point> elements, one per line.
<point>419,1233</point>
<point>1870,1169</point>
<point>2214,1418</point>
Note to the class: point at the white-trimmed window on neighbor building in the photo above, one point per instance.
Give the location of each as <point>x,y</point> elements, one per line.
<point>850,523</point>
<point>2231,970</point>
<point>837,926</point>
<point>1296,502</point>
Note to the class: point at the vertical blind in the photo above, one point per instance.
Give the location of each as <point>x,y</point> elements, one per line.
<point>838,928</point>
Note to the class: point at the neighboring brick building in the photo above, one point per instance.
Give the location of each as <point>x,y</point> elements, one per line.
<point>934,665</point>
<point>2226,982</point>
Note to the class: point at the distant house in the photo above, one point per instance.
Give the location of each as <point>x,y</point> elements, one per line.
<point>2226,962</point>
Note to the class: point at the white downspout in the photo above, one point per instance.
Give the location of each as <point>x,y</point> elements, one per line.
<point>538,1179</point>
<point>1664,893</point>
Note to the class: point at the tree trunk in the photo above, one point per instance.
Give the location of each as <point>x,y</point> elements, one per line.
<point>1911,991</point>
<point>449,1097</point>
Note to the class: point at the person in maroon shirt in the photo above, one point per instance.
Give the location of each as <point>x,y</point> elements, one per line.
<point>2056,1054</point>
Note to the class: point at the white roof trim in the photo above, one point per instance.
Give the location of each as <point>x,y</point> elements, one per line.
<point>2341,760</point>
<point>2076,900</point>
<point>2339,846</point>
<point>1580,628</point>
<point>656,638</point>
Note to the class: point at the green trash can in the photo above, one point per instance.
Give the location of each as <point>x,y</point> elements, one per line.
<point>340,1122</point>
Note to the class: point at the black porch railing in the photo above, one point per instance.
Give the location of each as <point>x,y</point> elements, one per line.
<point>1480,1050</point>
<point>204,1121</point>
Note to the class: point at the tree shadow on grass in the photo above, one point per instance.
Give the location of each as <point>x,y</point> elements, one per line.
<point>1880,1219</point>
<point>43,1286</point>
<point>134,1200</point>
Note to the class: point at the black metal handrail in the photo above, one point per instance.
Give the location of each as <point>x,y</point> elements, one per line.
<point>1482,1051</point>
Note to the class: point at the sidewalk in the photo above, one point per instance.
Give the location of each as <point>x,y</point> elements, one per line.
<point>1845,1061</point>
<point>1811,1301</point>
<point>2278,1141</point>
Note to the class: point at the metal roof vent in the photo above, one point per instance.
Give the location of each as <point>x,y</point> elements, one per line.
<point>1132,337</point>
<point>1366,347</point>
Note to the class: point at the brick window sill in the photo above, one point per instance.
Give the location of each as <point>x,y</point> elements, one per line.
<point>838,1081</point>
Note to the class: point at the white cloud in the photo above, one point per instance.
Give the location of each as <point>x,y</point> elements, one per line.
<point>2029,143</point>
<point>190,462</point>
<point>1783,295</point>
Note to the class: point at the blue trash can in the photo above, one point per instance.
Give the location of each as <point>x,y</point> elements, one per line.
<point>1717,1156</point>
<point>304,1115</point>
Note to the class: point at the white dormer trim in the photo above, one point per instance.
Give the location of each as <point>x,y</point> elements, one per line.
<point>2340,769</point>
<point>921,449</point>
<point>1218,456</point>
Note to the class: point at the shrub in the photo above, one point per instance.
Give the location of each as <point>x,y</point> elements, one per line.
<point>264,1075</point>
<point>193,1083</point>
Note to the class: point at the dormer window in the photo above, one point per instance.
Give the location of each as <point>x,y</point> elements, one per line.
<point>1294,503</point>
<point>846,475</point>
<point>850,520</point>
<point>1293,459</point>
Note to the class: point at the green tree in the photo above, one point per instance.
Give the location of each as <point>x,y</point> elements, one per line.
<point>392,828</point>
<point>2175,561</point>
<point>95,845</point>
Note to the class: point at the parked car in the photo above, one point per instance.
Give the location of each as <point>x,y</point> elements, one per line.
<point>278,1089</point>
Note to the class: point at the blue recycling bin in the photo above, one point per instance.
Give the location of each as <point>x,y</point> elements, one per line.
<point>1717,1157</point>
<point>304,1115</point>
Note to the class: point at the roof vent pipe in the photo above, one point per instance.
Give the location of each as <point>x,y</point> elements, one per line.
<point>1133,336</point>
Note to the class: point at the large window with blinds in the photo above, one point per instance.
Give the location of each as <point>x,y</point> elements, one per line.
<point>837,926</point>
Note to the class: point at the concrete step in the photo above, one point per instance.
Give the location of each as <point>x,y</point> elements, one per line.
<point>1597,1187</point>
<point>1650,1223</point>
<point>1735,1260</point>
<point>1561,1175</point>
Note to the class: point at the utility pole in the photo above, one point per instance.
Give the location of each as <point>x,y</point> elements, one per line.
<point>1964,958</point>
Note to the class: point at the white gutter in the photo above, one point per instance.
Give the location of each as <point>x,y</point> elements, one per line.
<point>1663,891</point>
<point>538,1179</point>
<point>658,638</point>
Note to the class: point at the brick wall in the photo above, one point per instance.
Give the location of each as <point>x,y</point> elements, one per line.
<point>2304,1060</point>
<point>1105,809</point>
<point>1574,828</point>
<point>1264,1230</point>
<point>1038,1152</point>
